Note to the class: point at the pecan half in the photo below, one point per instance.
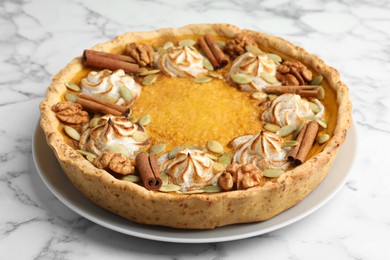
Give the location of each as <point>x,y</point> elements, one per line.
<point>293,73</point>
<point>71,113</point>
<point>115,162</point>
<point>142,53</point>
<point>236,46</point>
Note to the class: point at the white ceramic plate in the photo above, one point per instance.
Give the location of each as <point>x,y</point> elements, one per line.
<point>57,182</point>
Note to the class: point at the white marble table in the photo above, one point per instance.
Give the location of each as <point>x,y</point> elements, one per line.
<point>37,38</point>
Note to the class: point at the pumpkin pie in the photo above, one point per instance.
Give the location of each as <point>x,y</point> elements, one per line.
<point>197,127</point>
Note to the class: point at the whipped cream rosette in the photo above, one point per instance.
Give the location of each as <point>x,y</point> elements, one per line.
<point>112,133</point>
<point>182,62</point>
<point>108,84</point>
<point>260,69</point>
<point>291,109</point>
<point>263,149</point>
<point>190,169</point>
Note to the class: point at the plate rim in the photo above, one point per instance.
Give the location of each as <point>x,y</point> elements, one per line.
<point>184,236</point>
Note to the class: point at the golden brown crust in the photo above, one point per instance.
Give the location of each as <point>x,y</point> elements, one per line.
<point>196,211</point>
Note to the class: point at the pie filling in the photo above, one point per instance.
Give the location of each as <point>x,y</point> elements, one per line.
<point>196,114</point>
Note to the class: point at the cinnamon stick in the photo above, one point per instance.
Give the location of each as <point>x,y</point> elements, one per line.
<point>148,169</point>
<point>213,52</point>
<point>101,105</point>
<point>303,90</point>
<point>109,61</point>
<point>306,139</point>
<point>112,56</point>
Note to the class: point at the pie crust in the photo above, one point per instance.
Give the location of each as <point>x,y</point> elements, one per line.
<point>204,210</point>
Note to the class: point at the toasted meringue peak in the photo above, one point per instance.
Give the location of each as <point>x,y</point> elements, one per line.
<point>191,169</point>
<point>107,84</point>
<point>290,109</point>
<point>253,66</point>
<point>263,149</point>
<point>183,62</point>
<point>112,131</point>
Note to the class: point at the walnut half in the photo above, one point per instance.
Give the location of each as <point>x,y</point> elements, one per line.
<point>241,176</point>
<point>236,46</point>
<point>293,73</point>
<point>115,162</point>
<point>70,113</point>
<point>142,53</point>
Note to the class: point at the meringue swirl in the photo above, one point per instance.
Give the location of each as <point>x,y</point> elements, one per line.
<point>253,65</point>
<point>182,62</point>
<point>107,84</point>
<point>290,109</point>
<point>191,169</point>
<point>263,149</point>
<point>112,131</point>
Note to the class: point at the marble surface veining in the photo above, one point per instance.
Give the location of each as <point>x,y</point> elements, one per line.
<point>37,38</point>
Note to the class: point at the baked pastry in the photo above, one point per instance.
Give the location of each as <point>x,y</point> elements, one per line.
<point>197,127</point>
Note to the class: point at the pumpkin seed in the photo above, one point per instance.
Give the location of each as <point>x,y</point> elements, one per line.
<point>119,148</point>
<point>272,97</point>
<point>221,44</point>
<point>133,119</point>
<point>271,127</point>
<point>286,130</point>
<point>168,45</point>
<point>322,123</point>
<point>259,95</point>
<point>144,71</point>
<point>72,86</point>
<point>218,167</point>
<point>211,189</point>
<point>212,156</point>
<point>225,159</point>
<point>164,178</point>
<point>71,132</point>
<point>269,78</point>
<point>253,49</point>
<point>272,173</point>
<point>192,192</point>
<point>125,93</point>
<point>241,78</point>
<point>71,97</point>
<point>140,137</point>
<point>111,99</point>
<point>172,153</point>
<point>215,147</point>
<point>202,79</point>
<point>196,147</point>
<point>276,58</point>
<point>85,153</point>
<point>317,80</point>
<point>321,93</point>
<point>298,130</point>
<point>149,79</point>
<point>314,107</point>
<point>158,148</point>
<point>288,144</point>
<point>311,118</point>
<point>323,138</point>
<point>207,64</point>
<point>94,122</point>
<point>169,188</point>
<point>187,42</point>
<point>131,178</point>
<point>215,75</point>
<point>90,159</point>
<point>161,51</point>
<point>145,120</point>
